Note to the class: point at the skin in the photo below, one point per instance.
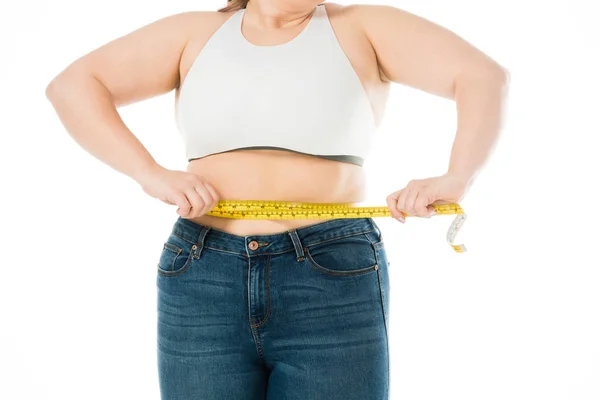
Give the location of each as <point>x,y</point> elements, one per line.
<point>384,44</point>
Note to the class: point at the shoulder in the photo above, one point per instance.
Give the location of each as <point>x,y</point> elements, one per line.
<point>367,19</point>
<point>340,11</point>
<point>199,22</point>
<point>360,12</point>
<point>198,27</point>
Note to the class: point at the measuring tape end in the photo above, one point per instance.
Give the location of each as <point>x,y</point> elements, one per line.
<point>459,248</point>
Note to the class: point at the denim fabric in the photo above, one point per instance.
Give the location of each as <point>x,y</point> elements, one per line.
<point>300,314</point>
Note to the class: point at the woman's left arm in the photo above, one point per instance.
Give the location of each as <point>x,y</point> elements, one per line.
<point>424,55</point>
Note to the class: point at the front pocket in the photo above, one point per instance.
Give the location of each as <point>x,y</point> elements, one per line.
<point>176,256</point>
<point>348,256</point>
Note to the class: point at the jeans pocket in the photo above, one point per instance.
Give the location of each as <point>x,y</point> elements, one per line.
<point>176,256</point>
<point>347,256</point>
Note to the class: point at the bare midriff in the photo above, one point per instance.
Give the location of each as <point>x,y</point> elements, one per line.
<point>276,175</point>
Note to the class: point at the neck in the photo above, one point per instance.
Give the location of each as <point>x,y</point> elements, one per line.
<point>264,14</point>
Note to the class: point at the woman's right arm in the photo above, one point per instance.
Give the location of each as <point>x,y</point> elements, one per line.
<point>131,68</point>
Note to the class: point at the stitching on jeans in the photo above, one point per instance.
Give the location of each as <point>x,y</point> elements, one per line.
<point>278,252</point>
<point>328,271</point>
<point>382,293</point>
<point>356,272</point>
<point>338,237</point>
<point>171,273</point>
<point>375,246</point>
<point>177,250</point>
<point>225,251</point>
<point>257,343</point>
<point>268,296</point>
<point>382,297</point>
<point>379,246</point>
<point>175,233</point>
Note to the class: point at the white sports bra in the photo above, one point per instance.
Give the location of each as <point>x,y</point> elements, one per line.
<point>302,96</point>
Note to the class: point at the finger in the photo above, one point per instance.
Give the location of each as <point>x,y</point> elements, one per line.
<point>182,203</point>
<point>392,201</point>
<point>431,210</point>
<point>409,204</point>
<point>420,205</point>
<point>213,193</point>
<point>206,198</point>
<point>400,215</point>
<point>401,203</point>
<point>196,201</point>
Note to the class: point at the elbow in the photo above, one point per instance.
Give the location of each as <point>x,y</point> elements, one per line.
<point>489,71</point>
<point>57,86</point>
<point>502,75</point>
<point>65,81</point>
<point>52,89</point>
<point>497,74</point>
<point>488,74</point>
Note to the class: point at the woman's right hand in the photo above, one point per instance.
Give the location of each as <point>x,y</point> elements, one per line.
<point>189,192</point>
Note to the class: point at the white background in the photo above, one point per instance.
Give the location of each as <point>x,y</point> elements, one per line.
<point>516,317</point>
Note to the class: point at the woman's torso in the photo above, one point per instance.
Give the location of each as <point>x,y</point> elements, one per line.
<point>286,175</point>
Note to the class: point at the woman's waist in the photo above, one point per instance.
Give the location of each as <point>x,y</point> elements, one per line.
<point>268,175</point>
<point>277,175</point>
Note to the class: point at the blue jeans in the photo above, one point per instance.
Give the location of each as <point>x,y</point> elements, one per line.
<point>300,314</point>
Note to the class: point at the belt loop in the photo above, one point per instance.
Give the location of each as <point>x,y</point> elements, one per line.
<point>297,244</point>
<point>200,241</point>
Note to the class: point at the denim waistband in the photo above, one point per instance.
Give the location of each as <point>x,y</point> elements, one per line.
<point>280,242</point>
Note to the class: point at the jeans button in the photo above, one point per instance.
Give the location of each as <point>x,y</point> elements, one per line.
<point>253,245</point>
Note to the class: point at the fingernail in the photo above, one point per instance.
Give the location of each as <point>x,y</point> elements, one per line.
<point>401,219</point>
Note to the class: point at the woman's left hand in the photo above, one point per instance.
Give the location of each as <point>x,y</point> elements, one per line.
<point>417,197</point>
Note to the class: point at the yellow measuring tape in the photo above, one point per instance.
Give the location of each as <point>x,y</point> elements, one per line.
<point>269,209</point>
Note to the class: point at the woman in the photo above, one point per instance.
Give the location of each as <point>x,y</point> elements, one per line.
<point>277,100</point>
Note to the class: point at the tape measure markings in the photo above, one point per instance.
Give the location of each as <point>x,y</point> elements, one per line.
<point>272,209</point>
